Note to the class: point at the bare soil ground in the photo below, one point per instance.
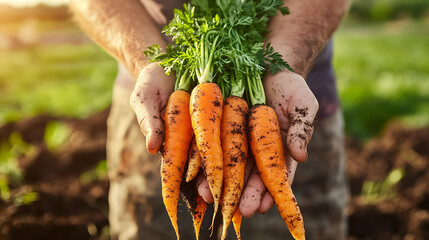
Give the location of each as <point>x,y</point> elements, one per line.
<point>66,208</point>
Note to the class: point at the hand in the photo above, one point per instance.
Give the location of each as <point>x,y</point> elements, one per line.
<point>148,100</point>
<point>296,107</point>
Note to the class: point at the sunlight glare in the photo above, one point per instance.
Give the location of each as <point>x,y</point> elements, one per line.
<point>30,3</point>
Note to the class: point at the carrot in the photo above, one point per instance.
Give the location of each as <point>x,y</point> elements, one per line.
<point>178,136</point>
<point>196,204</point>
<point>267,149</point>
<point>198,214</point>
<point>213,54</point>
<point>194,161</point>
<point>206,113</point>
<point>236,222</point>
<point>234,147</point>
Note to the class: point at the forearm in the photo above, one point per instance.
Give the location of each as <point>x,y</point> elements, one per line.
<point>122,28</point>
<point>302,34</point>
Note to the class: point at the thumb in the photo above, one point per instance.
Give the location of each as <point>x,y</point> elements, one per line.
<point>148,112</point>
<point>302,112</point>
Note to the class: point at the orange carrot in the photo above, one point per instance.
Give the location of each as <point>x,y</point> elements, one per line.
<point>236,222</point>
<point>196,204</point>
<point>198,214</point>
<point>194,161</point>
<point>234,147</point>
<point>178,136</point>
<point>267,149</point>
<point>206,114</point>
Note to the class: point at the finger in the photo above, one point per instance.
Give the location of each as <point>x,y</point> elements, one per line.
<point>291,169</point>
<point>149,118</point>
<point>249,166</point>
<point>266,203</point>
<point>302,111</point>
<point>204,189</point>
<point>252,195</point>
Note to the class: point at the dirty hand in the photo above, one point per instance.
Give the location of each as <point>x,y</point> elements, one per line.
<point>148,100</point>
<point>296,107</point>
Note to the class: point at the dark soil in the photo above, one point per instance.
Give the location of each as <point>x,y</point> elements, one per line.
<point>406,214</point>
<point>66,208</point>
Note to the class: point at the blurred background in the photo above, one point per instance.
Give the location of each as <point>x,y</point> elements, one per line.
<point>55,93</point>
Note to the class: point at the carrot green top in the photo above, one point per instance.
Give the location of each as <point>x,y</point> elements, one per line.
<point>222,41</point>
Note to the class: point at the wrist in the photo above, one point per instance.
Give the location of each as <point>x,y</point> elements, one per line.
<point>302,34</point>
<point>134,59</point>
<point>137,67</point>
<point>299,54</point>
<point>285,74</point>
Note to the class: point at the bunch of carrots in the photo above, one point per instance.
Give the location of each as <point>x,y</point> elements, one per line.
<point>219,59</point>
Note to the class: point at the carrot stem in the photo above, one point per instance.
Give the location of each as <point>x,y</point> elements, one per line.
<point>183,81</point>
<point>255,88</point>
<point>204,70</point>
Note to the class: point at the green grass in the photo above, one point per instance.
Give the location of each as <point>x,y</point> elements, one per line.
<point>60,80</point>
<point>383,75</point>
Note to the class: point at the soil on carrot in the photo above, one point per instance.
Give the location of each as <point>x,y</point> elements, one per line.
<point>69,208</point>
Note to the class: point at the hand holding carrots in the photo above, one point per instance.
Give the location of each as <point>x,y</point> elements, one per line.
<point>222,70</point>
<point>296,108</point>
<point>286,92</point>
